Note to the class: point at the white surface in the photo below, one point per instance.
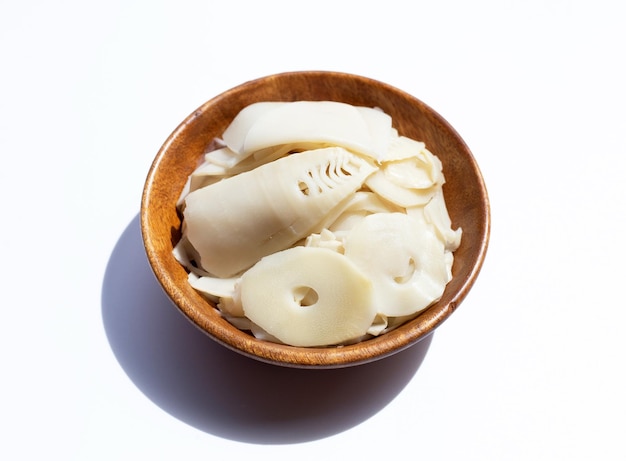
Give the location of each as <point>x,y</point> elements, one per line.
<point>531,366</point>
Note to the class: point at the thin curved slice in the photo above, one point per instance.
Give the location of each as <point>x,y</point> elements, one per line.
<point>410,181</point>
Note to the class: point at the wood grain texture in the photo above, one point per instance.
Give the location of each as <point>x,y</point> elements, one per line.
<point>465,194</point>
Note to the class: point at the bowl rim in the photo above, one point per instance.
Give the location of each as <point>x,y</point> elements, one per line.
<point>292,356</point>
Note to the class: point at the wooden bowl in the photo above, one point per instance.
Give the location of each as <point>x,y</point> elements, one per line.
<point>465,194</point>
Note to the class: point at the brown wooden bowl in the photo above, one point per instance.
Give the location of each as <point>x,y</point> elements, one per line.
<point>465,194</point>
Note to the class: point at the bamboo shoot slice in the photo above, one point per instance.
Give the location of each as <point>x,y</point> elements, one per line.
<point>361,129</point>
<point>308,297</point>
<point>235,222</point>
<point>403,257</point>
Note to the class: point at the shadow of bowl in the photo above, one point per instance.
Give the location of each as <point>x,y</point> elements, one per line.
<point>218,391</point>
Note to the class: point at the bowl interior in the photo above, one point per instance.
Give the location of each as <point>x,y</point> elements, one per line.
<point>465,194</point>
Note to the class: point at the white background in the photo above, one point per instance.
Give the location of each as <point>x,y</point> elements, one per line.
<point>98,365</point>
